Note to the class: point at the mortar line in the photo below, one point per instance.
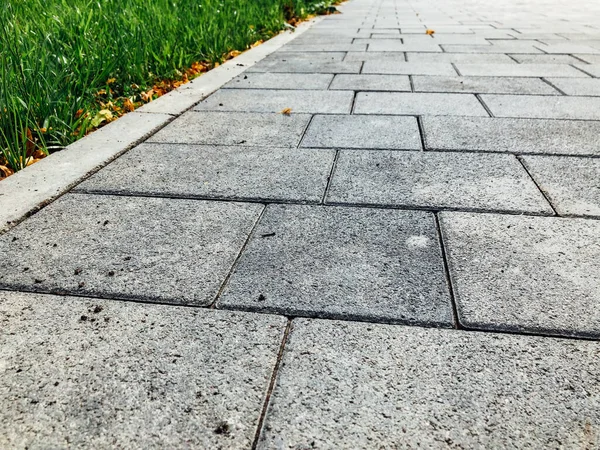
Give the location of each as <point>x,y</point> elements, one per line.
<point>449,283</point>
<point>544,80</point>
<point>478,97</point>
<point>421,132</point>
<point>330,177</point>
<point>537,185</point>
<point>581,70</point>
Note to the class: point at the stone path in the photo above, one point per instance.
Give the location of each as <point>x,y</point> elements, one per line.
<point>410,259</point>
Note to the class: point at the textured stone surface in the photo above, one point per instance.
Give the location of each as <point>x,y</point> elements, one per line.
<point>391,132</point>
<point>577,86</point>
<point>372,82</point>
<point>80,373</point>
<point>546,59</point>
<point>513,47</point>
<point>518,273</point>
<point>572,184</point>
<point>408,68</point>
<point>388,45</point>
<point>530,106</point>
<point>229,128</point>
<point>351,385</point>
<point>490,85</point>
<point>511,135</point>
<point>304,81</point>
<point>305,65</point>
<point>225,172</point>
<point>350,263</point>
<point>418,104</point>
<point>461,181</point>
<point>468,58</point>
<point>156,249</point>
<point>519,70</point>
<point>591,69</point>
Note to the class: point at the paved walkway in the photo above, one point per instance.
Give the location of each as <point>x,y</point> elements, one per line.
<point>410,259</point>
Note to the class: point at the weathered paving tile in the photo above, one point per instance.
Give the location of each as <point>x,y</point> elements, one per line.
<point>388,45</point>
<point>571,184</point>
<point>515,47</point>
<point>327,47</point>
<point>511,135</point>
<point>306,66</point>
<point>371,82</point>
<point>418,104</point>
<point>569,47</point>
<point>468,58</point>
<point>491,85</point>
<point>167,250</point>
<point>257,100</point>
<point>231,128</point>
<point>104,374</point>
<point>435,180</point>
<point>383,386</point>
<point>375,56</point>
<point>253,80</point>
<point>537,107</point>
<point>238,173</point>
<point>592,59</point>
<point>391,132</point>
<point>285,56</point>
<point>545,59</point>
<point>519,70</point>
<point>408,68</point>
<point>577,86</point>
<point>592,69</point>
<point>351,263</point>
<point>472,39</point>
<point>519,273</point>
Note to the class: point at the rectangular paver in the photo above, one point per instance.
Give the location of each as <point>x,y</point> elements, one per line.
<point>538,107</point>
<point>491,85</point>
<point>303,81</point>
<point>514,47</point>
<point>388,45</point>
<point>306,66</point>
<point>371,83</point>
<point>467,58</point>
<point>519,70</point>
<point>408,68</point>
<point>545,59</point>
<point>577,86</point>
<point>591,69</point>
<point>351,263</point>
<point>375,56</point>
<point>418,104</point>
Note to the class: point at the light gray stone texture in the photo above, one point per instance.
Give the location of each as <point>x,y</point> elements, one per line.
<point>592,69</point>
<point>389,45</point>
<point>513,47</point>
<point>435,181</point>
<point>578,86</point>
<point>327,47</point>
<point>257,100</point>
<point>511,135</point>
<point>408,68</point>
<point>364,132</point>
<point>538,107</point>
<point>467,58</point>
<point>519,273</point>
<point>285,56</point>
<point>81,373</point>
<point>545,59</point>
<point>238,173</point>
<point>252,80</point>
<point>592,59</point>
<point>153,249</point>
<point>418,104</point>
<point>371,83</point>
<point>362,385</point>
<point>347,263</point>
<point>491,85</point>
<point>519,70</point>
<point>307,66</point>
<point>375,56</point>
<point>571,184</point>
<point>231,128</point>
<point>569,47</point>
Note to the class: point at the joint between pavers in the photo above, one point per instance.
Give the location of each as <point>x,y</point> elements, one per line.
<point>552,86</point>
<point>330,177</point>
<point>537,185</point>
<point>583,71</point>
<point>451,290</point>
<point>478,97</point>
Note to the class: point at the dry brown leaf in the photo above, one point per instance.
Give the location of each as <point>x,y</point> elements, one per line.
<point>286,111</point>
<point>429,32</point>
<point>6,171</point>
<point>128,105</point>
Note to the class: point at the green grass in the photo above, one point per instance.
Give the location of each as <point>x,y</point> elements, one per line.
<point>56,55</point>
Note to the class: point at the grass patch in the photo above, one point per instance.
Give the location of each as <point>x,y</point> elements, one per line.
<point>68,66</point>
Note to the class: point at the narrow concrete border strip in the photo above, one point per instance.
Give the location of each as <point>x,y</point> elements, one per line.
<point>39,184</point>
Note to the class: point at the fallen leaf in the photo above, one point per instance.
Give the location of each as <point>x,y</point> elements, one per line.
<point>6,171</point>
<point>128,105</point>
<point>111,80</point>
<point>286,111</point>
<point>147,96</point>
<point>429,32</point>
<point>100,117</point>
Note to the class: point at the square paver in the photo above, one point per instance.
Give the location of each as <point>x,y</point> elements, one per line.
<point>511,135</point>
<point>382,386</point>
<point>571,184</point>
<point>154,249</point>
<point>238,173</point>
<point>435,180</point>
<point>304,65</point>
<point>231,128</point>
<point>276,100</point>
<point>408,68</point>
<point>418,104</point>
<point>542,107</point>
<point>383,132</point>
<point>519,273</point>
<point>350,263</point>
<point>476,85</point>
<point>80,373</point>
<point>371,83</point>
<point>304,81</point>
<point>468,58</point>
<point>519,70</point>
<point>577,86</point>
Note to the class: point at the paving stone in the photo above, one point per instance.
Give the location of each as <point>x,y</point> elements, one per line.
<point>519,70</point>
<point>230,128</point>
<point>577,86</point>
<point>511,135</point>
<point>276,100</point>
<point>515,47</point>
<point>519,273</point>
<point>418,104</point>
<point>302,81</point>
<point>571,184</point>
<point>472,39</point>
<point>375,56</point>
<point>592,59</point>
<point>407,68</point>
<point>491,85</point>
<point>543,107</point>
<point>155,249</point>
<point>569,47</point>
<point>468,58</point>
<point>545,59</point>
<point>388,45</point>
<point>285,56</point>
<point>240,173</point>
<point>592,69</point>
<point>80,373</point>
<point>327,47</point>
<point>391,132</point>
<point>306,66</point>
<point>371,82</point>
<point>435,180</point>
<point>347,263</point>
<point>383,386</point>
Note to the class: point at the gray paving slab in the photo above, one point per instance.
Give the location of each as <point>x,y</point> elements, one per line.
<point>438,38</point>
<point>230,128</point>
<point>538,107</point>
<point>408,68</point>
<point>435,180</point>
<point>364,132</point>
<point>571,184</point>
<point>383,386</point>
<point>519,273</point>
<point>569,48</point>
<point>592,69</point>
<point>81,373</point>
<point>515,47</point>
<point>276,100</point>
<point>375,56</point>
<point>578,86</point>
<point>408,103</point>
<point>468,58</point>
<point>285,56</point>
<point>155,249</point>
<point>327,47</point>
<point>371,83</point>
<point>491,85</point>
<point>592,59</point>
<point>306,66</point>
<point>545,59</point>
<point>388,45</point>
<point>347,263</point>
<point>238,173</point>
<point>519,70</point>
<point>511,135</point>
<point>302,81</point>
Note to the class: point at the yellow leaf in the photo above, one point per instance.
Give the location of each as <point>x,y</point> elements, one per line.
<point>286,111</point>
<point>111,80</point>
<point>100,117</point>
<point>429,32</point>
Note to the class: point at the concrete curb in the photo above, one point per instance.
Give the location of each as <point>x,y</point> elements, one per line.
<point>39,184</point>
